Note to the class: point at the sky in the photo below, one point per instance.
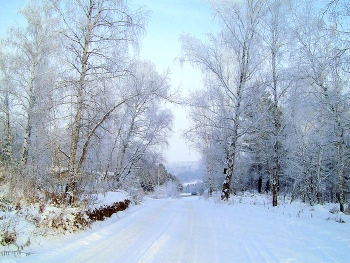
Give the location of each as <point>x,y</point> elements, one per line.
<point>168,20</point>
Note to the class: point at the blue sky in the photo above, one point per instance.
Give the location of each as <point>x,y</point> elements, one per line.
<point>8,14</point>
<point>168,20</point>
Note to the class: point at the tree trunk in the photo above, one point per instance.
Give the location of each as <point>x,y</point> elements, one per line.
<point>275,179</point>
<point>319,177</point>
<point>340,164</point>
<point>276,119</point>
<point>70,189</point>
<point>92,132</point>
<point>72,173</point>
<point>25,146</point>
<point>71,186</point>
<point>275,169</point>
<point>8,154</point>
<point>260,184</point>
<point>226,190</point>
<point>226,187</point>
<point>30,110</point>
<point>210,179</point>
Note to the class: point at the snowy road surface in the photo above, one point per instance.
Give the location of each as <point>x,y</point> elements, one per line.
<point>193,230</point>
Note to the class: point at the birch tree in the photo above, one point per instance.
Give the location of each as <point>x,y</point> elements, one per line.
<point>208,132</point>
<point>144,123</point>
<point>319,47</point>
<point>30,49</point>
<point>232,59</point>
<point>6,154</point>
<point>275,37</point>
<point>96,35</point>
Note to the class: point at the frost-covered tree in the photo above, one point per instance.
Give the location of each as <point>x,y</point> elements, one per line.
<point>276,40</point>
<point>209,131</point>
<point>77,97</point>
<point>231,59</point>
<point>96,36</point>
<point>320,63</point>
<point>6,154</point>
<point>29,51</point>
<point>276,99</point>
<point>142,125</point>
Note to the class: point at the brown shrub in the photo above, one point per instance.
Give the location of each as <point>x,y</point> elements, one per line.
<point>107,211</point>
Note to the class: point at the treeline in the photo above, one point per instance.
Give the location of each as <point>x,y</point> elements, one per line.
<point>155,177</point>
<point>274,108</point>
<point>79,112</point>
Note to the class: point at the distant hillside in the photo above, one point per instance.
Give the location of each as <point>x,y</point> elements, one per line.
<point>186,171</point>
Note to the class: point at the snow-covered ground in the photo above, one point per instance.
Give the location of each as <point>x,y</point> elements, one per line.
<point>191,229</point>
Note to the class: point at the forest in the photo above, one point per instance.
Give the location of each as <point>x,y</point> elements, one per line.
<point>80,113</point>
<point>273,112</point>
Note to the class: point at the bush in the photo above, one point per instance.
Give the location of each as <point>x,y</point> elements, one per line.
<point>61,219</point>
<point>8,237</point>
<point>8,223</point>
<point>171,189</point>
<point>101,213</point>
<point>58,219</point>
<point>136,195</point>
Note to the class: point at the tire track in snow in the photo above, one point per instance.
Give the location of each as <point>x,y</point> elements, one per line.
<point>206,236</point>
<point>264,251</point>
<point>182,240</point>
<point>154,249</point>
<point>180,233</point>
<point>159,249</point>
<point>192,236</point>
<point>256,249</point>
<point>176,243</point>
<point>197,233</point>
<point>251,253</point>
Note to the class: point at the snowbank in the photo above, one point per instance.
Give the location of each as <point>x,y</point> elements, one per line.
<point>23,228</point>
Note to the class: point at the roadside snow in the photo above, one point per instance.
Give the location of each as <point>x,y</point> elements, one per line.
<point>38,224</point>
<point>191,229</point>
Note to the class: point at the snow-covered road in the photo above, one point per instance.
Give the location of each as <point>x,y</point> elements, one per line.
<point>193,230</point>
